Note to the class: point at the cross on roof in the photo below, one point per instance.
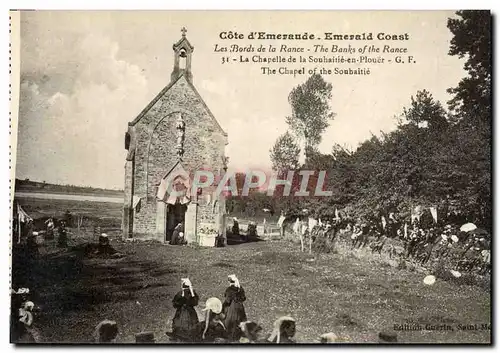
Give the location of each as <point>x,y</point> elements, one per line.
<point>183,30</point>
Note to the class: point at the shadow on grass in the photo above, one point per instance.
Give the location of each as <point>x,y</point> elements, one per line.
<point>238,241</point>
<point>68,281</point>
<point>222,264</point>
<point>346,320</point>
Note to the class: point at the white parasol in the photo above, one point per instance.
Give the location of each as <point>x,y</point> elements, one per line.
<point>467,227</point>
<point>429,280</point>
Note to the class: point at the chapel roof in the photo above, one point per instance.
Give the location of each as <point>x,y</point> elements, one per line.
<point>165,90</point>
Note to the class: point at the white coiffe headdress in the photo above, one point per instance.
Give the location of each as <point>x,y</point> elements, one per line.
<point>187,283</point>
<point>235,280</point>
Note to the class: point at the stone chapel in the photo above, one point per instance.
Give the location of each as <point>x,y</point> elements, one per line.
<point>175,135</point>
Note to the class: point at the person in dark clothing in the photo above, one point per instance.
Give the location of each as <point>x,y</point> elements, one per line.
<point>17,328</point>
<point>32,246</point>
<point>27,230</point>
<point>62,240</point>
<point>106,332</point>
<point>185,325</point>
<point>252,333</point>
<point>50,228</point>
<point>236,227</point>
<point>252,231</point>
<point>233,308</point>
<point>219,241</point>
<point>25,329</point>
<point>68,218</point>
<point>176,238</point>
<point>182,239</point>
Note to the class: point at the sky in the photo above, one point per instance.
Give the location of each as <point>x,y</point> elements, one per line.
<point>85,74</point>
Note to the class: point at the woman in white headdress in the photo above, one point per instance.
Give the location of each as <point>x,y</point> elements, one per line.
<point>213,328</point>
<point>283,330</point>
<point>233,308</point>
<point>185,322</point>
<point>29,334</point>
<point>176,237</point>
<point>106,332</point>
<point>252,333</point>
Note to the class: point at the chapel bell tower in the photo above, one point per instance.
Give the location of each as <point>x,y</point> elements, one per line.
<point>182,58</point>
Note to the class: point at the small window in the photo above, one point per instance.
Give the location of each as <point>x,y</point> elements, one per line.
<point>127,140</point>
<point>182,59</point>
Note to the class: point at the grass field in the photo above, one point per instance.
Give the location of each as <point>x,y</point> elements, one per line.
<point>351,293</point>
<point>104,214</point>
<point>37,186</point>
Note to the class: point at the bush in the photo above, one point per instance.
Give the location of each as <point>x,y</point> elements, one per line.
<point>466,279</point>
<point>402,264</point>
<point>441,272</point>
<point>324,245</point>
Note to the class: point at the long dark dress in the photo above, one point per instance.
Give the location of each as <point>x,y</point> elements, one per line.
<point>185,325</point>
<point>234,311</point>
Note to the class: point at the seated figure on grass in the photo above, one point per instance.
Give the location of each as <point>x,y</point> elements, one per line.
<point>252,333</point>
<point>284,330</point>
<point>252,230</point>
<point>106,332</point>
<point>213,329</point>
<point>178,237</point>
<point>236,227</point>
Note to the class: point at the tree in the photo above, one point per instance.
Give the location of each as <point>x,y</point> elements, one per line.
<point>471,105</point>
<point>424,109</point>
<point>285,153</point>
<point>311,112</point>
<point>472,39</point>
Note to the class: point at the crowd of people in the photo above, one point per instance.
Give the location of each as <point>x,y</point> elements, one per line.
<point>465,246</point>
<point>224,322</point>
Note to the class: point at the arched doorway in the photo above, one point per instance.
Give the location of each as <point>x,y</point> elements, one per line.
<point>175,214</point>
<point>173,205</point>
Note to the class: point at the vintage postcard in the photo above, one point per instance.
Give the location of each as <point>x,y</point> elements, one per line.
<point>251,177</point>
